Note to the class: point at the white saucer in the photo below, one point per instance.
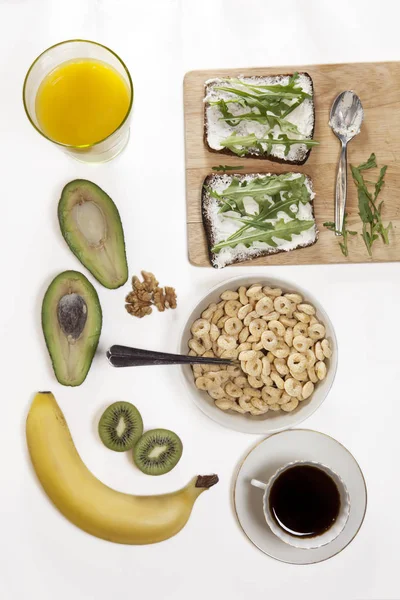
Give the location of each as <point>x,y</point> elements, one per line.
<point>262,462</point>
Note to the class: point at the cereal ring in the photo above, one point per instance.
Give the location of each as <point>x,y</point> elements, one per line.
<point>254,367</point>
<point>255,382</point>
<point>270,357</point>
<point>301,343</point>
<point>196,346</point>
<point>249,391</point>
<point>277,328</point>
<point>287,321</point>
<point>256,412</point>
<point>252,338</point>
<point>277,379</point>
<point>294,298</point>
<point>269,340</point>
<point>284,398</point>
<point>302,317</point>
<point>208,313</point>
<point>234,371</point>
<point>274,407</point>
<point>248,318</point>
<point>233,326</point>
<point>200,327</point>
<point>288,337</point>
<point>233,354</point>
<point>255,291</point>
<point>259,403</point>
<point>257,327</point>
<point>240,381</point>
<point>216,349</point>
<point>320,369</point>
<point>244,311</point>
<point>312,374</point>
<point>313,320</point>
<point>247,355</point>
<point>264,306</point>
<point>266,379</point>
<point>272,316</point>
<point>233,390</point>
<point>282,350</point>
<point>308,309</point>
<point>243,335</point>
<point>229,295</point>
<point>293,387</point>
<point>221,304</point>
<point>206,341</point>
<point>244,403</point>
<point>326,348</point>
<point>202,383</point>
<point>289,406</point>
<point>237,408</point>
<point>243,368</point>
<point>219,313</point>
<point>307,390</point>
<point>302,376</point>
<point>214,332</point>
<point>310,356</point>
<point>273,292</point>
<point>224,404</point>
<point>227,342</point>
<point>257,346</point>
<point>319,353</point>
<point>242,295</point>
<point>197,370</point>
<point>316,331</point>
<point>222,321</point>
<point>283,306</point>
<point>266,366</point>
<point>297,362</point>
<point>300,329</point>
<point>232,308</point>
<point>243,347</point>
<point>281,366</point>
<point>215,378</point>
<point>217,393</point>
<point>269,392</point>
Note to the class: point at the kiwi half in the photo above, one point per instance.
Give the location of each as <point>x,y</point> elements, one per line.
<point>158,451</point>
<point>120,426</point>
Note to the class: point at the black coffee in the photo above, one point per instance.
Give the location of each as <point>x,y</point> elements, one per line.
<point>304,501</point>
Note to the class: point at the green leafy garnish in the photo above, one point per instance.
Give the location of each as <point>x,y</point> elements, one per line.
<point>225,168</point>
<point>370,212</point>
<point>238,144</point>
<point>345,234</point>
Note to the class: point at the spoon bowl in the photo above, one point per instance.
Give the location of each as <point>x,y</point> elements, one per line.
<point>346,117</point>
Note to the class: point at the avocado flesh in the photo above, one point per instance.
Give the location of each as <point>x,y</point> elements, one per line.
<point>71,322</point>
<point>92,228</point>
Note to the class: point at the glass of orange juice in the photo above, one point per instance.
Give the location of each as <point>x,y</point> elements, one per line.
<point>78,94</point>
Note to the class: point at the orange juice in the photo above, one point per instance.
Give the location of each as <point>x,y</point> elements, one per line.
<point>82,102</point>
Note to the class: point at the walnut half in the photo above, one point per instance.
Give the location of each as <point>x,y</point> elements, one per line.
<point>146,294</point>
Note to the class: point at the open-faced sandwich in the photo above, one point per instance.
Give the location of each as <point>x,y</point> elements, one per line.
<point>261,117</point>
<point>247,216</point>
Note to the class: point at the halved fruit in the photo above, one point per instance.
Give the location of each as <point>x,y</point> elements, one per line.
<point>92,228</point>
<point>71,322</point>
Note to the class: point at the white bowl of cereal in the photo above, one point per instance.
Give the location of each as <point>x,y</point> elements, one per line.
<point>285,346</point>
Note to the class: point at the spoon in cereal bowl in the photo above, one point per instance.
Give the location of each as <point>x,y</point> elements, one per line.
<point>123,356</point>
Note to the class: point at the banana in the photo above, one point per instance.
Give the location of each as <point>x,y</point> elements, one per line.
<point>86,501</point>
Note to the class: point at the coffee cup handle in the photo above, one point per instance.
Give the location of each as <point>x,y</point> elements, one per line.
<point>258,484</point>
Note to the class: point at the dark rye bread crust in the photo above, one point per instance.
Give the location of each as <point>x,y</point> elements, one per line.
<point>208,227</point>
<point>258,156</point>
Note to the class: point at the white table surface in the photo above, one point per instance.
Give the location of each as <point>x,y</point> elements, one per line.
<point>41,554</point>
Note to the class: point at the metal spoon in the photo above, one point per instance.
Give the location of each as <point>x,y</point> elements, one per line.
<point>345,119</point>
<point>123,356</point>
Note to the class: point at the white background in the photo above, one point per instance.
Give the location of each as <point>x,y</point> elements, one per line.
<point>41,554</point>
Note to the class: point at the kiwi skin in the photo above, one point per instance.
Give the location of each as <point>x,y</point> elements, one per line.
<point>110,420</point>
<point>167,460</point>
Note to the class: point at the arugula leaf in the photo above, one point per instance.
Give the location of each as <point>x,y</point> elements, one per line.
<point>280,230</point>
<point>225,168</point>
<point>345,233</point>
<point>238,144</point>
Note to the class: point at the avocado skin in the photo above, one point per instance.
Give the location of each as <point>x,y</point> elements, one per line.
<point>86,345</point>
<point>84,254</point>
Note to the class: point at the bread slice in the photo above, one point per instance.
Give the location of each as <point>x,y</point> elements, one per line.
<point>288,210</point>
<point>218,128</point>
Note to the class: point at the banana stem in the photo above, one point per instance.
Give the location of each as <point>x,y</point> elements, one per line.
<point>206,481</point>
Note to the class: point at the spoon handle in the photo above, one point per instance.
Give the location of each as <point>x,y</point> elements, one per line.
<point>341,190</point>
<point>123,356</point>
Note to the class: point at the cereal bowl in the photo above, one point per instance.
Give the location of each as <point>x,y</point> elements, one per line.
<point>271,421</point>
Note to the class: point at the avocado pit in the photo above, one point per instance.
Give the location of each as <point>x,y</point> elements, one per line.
<point>72,315</point>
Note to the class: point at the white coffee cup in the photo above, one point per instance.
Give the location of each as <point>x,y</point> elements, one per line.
<point>306,542</point>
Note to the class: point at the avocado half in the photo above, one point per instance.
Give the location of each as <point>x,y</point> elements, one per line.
<point>92,228</point>
<point>71,322</point>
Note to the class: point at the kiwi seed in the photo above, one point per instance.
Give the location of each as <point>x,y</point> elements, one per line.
<point>120,426</point>
<point>158,451</point>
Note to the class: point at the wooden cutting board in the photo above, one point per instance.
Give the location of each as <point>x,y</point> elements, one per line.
<point>378,85</point>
